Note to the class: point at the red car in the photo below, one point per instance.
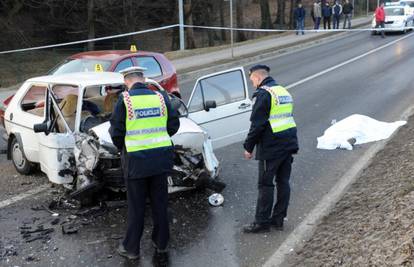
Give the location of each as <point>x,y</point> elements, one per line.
<point>159,68</point>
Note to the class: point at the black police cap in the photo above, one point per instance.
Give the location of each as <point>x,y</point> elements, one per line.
<point>259,67</point>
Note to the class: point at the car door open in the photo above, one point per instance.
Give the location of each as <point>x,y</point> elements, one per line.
<point>220,104</point>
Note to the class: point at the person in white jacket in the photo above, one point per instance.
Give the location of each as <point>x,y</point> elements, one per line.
<point>317,14</point>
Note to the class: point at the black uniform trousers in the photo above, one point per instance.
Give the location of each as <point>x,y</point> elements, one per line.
<point>270,171</point>
<point>156,188</point>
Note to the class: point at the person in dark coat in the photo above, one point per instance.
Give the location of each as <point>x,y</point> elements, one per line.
<point>347,11</point>
<point>300,18</point>
<point>326,14</point>
<point>274,152</point>
<point>145,171</point>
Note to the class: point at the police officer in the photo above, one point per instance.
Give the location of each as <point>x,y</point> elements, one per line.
<point>141,126</point>
<point>273,134</point>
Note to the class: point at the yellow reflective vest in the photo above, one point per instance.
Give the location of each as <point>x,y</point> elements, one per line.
<point>281,110</point>
<point>146,122</point>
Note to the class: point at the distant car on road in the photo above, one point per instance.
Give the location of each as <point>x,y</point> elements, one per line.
<point>396,19</point>
<point>408,6</point>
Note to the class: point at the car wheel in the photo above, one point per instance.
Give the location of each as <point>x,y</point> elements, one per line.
<point>20,161</point>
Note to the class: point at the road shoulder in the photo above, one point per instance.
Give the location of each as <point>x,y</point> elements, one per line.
<point>373,223</point>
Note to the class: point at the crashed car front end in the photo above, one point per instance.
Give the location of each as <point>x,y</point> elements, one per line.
<point>98,163</point>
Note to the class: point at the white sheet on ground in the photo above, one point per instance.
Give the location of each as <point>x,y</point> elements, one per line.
<point>363,128</point>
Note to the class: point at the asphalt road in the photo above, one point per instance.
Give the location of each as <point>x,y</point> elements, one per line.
<point>378,85</point>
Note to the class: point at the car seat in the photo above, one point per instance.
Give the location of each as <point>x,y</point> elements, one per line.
<point>68,108</point>
<point>109,103</point>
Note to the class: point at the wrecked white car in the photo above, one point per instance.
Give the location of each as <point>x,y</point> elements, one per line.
<point>60,123</point>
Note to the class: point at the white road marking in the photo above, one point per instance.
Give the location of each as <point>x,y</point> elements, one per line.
<point>306,228</point>
<point>24,195</point>
<point>347,62</point>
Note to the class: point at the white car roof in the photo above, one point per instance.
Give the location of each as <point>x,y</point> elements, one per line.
<point>82,78</point>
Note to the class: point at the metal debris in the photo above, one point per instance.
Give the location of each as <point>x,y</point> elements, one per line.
<point>39,233</point>
<point>64,203</point>
<point>55,221</point>
<point>43,207</point>
<point>114,204</point>
<point>7,251</point>
<point>31,258</point>
<point>70,229</point>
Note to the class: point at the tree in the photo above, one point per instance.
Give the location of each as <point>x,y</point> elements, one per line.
<point>222,21</point>
<point>240,19</point>
<point>188,16</point>
<point>265,14</point>
<point>291,15</point>
<point>91,24</point>
<point>280,15</point>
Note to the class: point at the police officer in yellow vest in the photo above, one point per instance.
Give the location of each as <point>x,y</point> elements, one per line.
<point>273,134</point>
<point>141,126</point>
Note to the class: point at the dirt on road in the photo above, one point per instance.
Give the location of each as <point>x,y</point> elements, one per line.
<point>373,223</point>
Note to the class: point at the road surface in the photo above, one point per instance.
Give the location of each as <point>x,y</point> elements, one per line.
<point>378,85</point>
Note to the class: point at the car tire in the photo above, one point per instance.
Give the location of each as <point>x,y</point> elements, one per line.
<point>20,162</point>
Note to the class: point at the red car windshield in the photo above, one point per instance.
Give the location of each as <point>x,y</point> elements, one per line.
<point>80,65</point>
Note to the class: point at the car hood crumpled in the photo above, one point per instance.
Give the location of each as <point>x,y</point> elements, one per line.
<point>189,136</point>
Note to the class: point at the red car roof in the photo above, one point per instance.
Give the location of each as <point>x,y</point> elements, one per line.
<point>111,54</point>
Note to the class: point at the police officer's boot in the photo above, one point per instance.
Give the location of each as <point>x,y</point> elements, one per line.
<point>277,224</point>
<point>161,258</point>
<point>254,228</point>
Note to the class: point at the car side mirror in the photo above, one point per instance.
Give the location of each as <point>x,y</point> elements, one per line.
<point>209,104</point>
<point>41,128</point>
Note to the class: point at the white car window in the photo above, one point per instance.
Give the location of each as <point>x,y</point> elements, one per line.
<point>196,101</point>
<point>224,88</point>
<point>396,11</point>
<point>33,101</point>
<point>67,99</point>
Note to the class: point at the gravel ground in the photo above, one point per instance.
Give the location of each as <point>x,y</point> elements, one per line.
<point>12,183</point>
<point>373,223</point>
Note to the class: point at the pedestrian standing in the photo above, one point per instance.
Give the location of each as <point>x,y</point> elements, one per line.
<point>300,18</point>
<point>337,12</point>
<point>317,14</point>
<point>141,126</point>
<point>326,14</point>
<point>273,134</point>
<point>347,11</point>
<point>380,18</point>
